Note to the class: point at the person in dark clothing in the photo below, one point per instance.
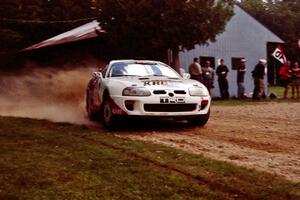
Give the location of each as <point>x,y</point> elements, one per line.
<point>295,80</point>
<point>240,79</point>
<point>258,76</point>
<point>222,71</point>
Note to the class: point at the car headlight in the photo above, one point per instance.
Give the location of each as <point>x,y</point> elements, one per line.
<point>136,91</point>
<point>198,91</point>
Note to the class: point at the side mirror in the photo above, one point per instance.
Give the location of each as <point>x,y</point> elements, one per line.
<point>97,75</point>
<point>186,75</point>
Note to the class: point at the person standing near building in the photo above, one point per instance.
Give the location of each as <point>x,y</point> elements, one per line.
<point>258,76</point>
<point>285,78</point>
<point>240,78</point>
<point>195,70</point>
<point>295,80</point>
<point>208,76</point>
<point>222,71</point>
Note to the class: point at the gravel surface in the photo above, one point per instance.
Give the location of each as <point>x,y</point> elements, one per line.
<point>265,136</point>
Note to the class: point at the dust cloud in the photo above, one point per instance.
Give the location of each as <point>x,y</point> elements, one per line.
<point>56,94</point>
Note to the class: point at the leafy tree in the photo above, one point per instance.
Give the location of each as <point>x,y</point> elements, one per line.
<point>40,19</point>
<point>145,27</point>
<point>24,22</point>
<point>10,38</point>
<point>135,27</point>
<point>46,10</point>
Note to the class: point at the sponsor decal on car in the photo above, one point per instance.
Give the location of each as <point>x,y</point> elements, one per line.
<point>155,82</point>
<point>161,82</point>
<point>172,100</point>
<point>116,109</point>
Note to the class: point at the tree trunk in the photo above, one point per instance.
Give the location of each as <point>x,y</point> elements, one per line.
<point>175,59</point>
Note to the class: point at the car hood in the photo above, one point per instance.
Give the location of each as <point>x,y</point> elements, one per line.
<point>155,82</point>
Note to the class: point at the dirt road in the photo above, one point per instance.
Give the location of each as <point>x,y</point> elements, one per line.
<point>262,136</point>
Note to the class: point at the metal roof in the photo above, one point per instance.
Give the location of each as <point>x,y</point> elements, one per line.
<point>86,31</point>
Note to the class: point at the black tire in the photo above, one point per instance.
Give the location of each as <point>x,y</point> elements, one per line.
<point>91,113</point>
<point>199,120</point>
<point>107,117</point>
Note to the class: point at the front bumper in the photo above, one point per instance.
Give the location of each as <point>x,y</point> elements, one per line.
<point>153,106</point>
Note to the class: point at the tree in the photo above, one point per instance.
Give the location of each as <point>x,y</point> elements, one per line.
<point>25,22</point>
<point>145,27</point>
<point>38,20</point>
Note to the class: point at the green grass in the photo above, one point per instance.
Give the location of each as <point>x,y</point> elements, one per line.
<point>273,89</point>
<point>277,90</point>
<point>44,160</point>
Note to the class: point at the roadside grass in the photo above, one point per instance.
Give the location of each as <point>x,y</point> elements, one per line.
<point>45,160</point>
<point>278,90</point>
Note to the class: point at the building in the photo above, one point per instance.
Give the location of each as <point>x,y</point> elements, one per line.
<point>84,32</point>
<point>244,37</point>
<point>75,46</point>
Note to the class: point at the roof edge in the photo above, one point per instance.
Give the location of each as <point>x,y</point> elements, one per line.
<point>250,15</point>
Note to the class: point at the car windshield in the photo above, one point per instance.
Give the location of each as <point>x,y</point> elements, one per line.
<point>142,69</point>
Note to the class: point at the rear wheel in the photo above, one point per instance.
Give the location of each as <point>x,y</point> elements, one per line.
<point>91,113</point>
<point>199,120</point>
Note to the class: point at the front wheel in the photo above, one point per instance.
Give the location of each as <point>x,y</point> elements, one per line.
<point>107,117</point>
<point>199,120</point>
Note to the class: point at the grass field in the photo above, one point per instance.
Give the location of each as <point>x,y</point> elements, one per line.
<point>278,90</point>
<point>273,89</point>
<point>44,160</point>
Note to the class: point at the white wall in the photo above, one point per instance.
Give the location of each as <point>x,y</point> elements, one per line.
<point>243,37</point>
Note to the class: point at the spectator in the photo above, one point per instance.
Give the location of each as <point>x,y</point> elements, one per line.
<point>208,76</point>
<point>295,80</point>
<point>285,78</point>
<point>195,70</point>
<point>258,76</point>
<point>222,71</point>
<point>240,79</point>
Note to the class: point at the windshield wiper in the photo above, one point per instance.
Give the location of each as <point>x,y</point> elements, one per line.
<point>126,75</point>
<point>165,76</point>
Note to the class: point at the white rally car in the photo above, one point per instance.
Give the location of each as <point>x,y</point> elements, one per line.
<point>147,89</point>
